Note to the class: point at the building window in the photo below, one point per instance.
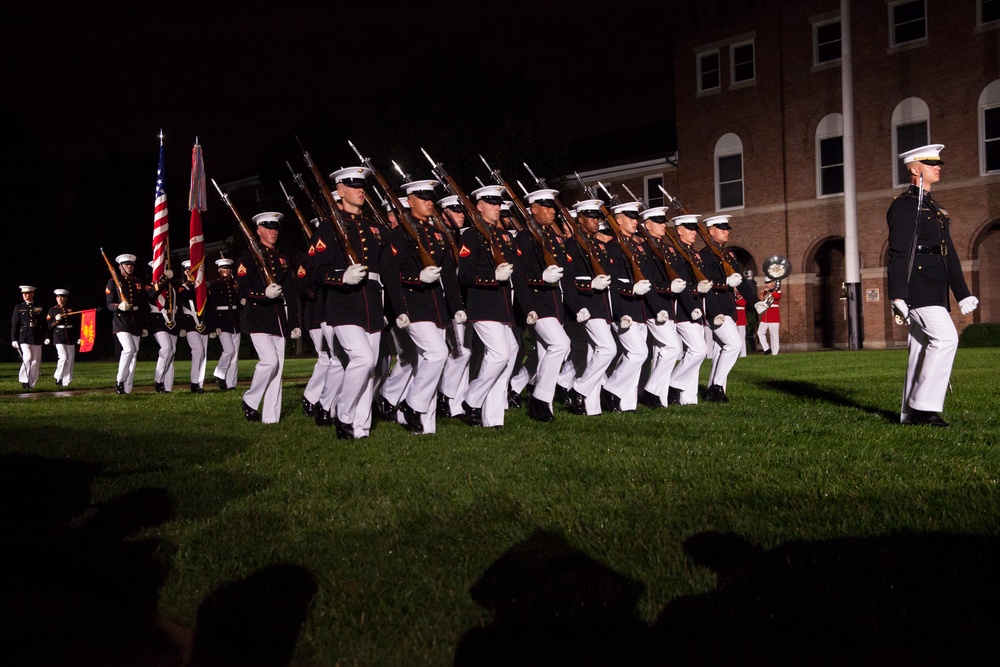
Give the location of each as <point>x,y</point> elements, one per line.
<point>709,72</point>
<point>910,129</point>
<point>654,197</point>
<point>826,42</point>
<point>989,11</point>
<point>830,155</point>
<point>907,21</point>
<point>989,128</point>
<point>728,172</point>
<point>741,62</point>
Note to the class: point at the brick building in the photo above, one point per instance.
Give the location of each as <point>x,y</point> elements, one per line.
<point>759,136</point>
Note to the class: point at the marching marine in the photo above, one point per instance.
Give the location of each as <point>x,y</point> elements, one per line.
<point>223,317</point>
<point>64,337</point>
<point>27,334</point>
<point>126,323</point>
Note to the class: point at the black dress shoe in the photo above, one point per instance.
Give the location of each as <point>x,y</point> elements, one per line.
<point>539,410</point>
<point>673,396</point>
<point>385,410</point>
<point>58,383</point>
<point>28,386</point>
<point>160,388</point>
<point>577,403</point>
<point>119,388</point>
<point>250,414</point>
<point>610,402</point>
<point>323,417</point>
<point>308,407</point>
<point>923,418</point>
<point>649,399</point>
<point>222,383</point>
<point>443,406</point>
<point>716,394</point>
<point>513,399</point>
<point>344,431</point>
<point>474,416</point>
<point>411,417</point>
<point>196,389</point>
<point>562,395</point>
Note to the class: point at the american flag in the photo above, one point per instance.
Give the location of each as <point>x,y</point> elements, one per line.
<point>161,245</point>
<point>197,202</point>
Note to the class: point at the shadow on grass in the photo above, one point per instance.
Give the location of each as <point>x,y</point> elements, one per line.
<point>922,598</point>
<point>815,392</point>
<point>80,586</point>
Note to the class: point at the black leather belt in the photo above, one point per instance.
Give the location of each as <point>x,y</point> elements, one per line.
<point>931,250</point>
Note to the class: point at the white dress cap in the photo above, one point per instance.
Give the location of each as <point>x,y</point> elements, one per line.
<point>61,292</point>
<point>492,194</point>
<point>545,195</point>
<point>588,206</point>
<point>125,257</point>
<point>655,212</point>
<point>627,206</point>
<point>419,186</point>
<point>717,220</point>
<point>351,176</point>
<point>689,219</point>
<point>448,202</point>
<point>268,216</point>
<point>224,262</point>
<point>25,289</point>
<point>929,153</point>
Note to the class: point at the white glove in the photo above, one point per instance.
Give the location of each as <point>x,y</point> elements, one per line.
<point>696,314</point>
<point>354,274</point>
<point>461,317</point>
<point>531,317</point>
<point>59,317</point>
<point>704,286</point>
<point>145,332</point>
<point>900,308</point>
<point>430,274</point>
<point>273,291</point>
<point>968,304</point>
<point>625,322</point>
<point>734,280</point>
<point>182,333</point>
<point>641,287</point>
<point>760,306</point>
<point>600,282</point>
<point>14,344</point>
<point>662,317</point>
<point>168,274</point>
<point>46,341</point>
<point>78,341</point>
<point>552,274</point>
<point>678,285</point>
<point>503,272</point>
<point>296,333</point>
<point>402,321</point>
<point>124,305</point>
<point>582,315</point>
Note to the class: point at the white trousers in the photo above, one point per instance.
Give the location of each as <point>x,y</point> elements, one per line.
<point>31,357</point>
<point>552,346</point>
<point>227,369</point>
<point>355,352</point>
<point>685,375</point>
<point>768,330</point>
<point>314,387</point>
<point>264,393</point>
<point>933,342</point>
<point>64,366</point>
<point>665,348</point>
<point>592,349</point>
<point>126,362</point>
<point>420,356</point>
<point>632,351</point>
<point>455,375</point>
<point>165,359</point>
<point>725,353</point>
<point>489,388</point>
<point>742,328</point>
<point>198,342</point>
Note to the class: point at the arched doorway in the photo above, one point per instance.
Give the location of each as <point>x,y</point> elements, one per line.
<point>829,308</point>
<point>987,251</point>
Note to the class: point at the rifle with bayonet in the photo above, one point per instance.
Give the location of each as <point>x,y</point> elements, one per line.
<point>255,250</point>
<point>699,275</point>
<point>477,219</point>
<point>306,229</point>
<point>615,228</point>
<point>376,212</point>
<point>654,244</point>
<point>574,229</point>
<point>336,218</point>
<point>402,215</point>
<point>114,277</point>
<point>438,223</point>
<point>529,220</point>
<point>566,228</point>
<point>709,241</point>
<point>317,209</point>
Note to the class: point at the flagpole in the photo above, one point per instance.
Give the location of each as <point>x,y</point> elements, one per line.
<point>166,261</point>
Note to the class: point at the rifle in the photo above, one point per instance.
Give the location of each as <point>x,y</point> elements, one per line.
<point>77,312</point>
<point>532,225</point>
<point>438,223</point>
<point>336,218</point>
<point>114,276</point>
<point>654,244</point>
<point>581,240</point>
<point>709,241</point>
<point>306,229</point>
<point>317,209</point>
<point>566,228</point>
<point>255,250</point>
<point>678,246</point>
<point>616,229</point>
<point>477,219</point>
<point>376,213</point>
<point>402,214</point>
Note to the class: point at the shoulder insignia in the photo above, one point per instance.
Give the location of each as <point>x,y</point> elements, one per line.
<point>312,250</point>
<point>393,249</point>
<point>242,271</point>
<point>518,251</point>
<point>320,246</point>
<point>107,290</point>
<point>301,273</point>
<point>464,252</point>
<point>569,258</point>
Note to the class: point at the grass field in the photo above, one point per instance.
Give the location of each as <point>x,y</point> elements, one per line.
<point>796,514</point>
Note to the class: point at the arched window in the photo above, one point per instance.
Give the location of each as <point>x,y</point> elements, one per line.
<point>728,172</point>
<point>830,155</point>
<point>989,129</point>
<point>910,129</point>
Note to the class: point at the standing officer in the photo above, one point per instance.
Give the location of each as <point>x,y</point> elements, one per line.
<point>64,337</point>
<point>770,319</point>
<point>126,324</point>
<point>193,330</point>
<point>27,333</point>
<point>271,314</point>
<point>163,323</point>
<point>922,267</point>
<point>224,317</point>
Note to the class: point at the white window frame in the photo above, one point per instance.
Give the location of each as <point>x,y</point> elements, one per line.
<point>988,99</point>
<point>648,192</point>
<point>733,83</point>
<point>910,110</point>
<point>816,26</point>
<point>718,57</point>
<point>729,145</point>
<point>893,43</point>
<point>830,127</point>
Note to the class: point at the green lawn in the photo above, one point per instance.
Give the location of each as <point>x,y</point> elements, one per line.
<point>396,529</point>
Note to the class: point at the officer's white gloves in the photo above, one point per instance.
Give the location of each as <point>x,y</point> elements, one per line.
<point>662,317</point>
<point>461,317</point>
<point>273,291</point>
<point>600,282</point>
<point>968,304</point>
<point>678,285</point>
<point>704,286</point>
<point>900,308</point>
<point>124,305</point>
<point>296,333</point>
<point>625,322</point>
<point>734,280</point>
<point>531,317</point>
<point>641,287</point>
<point>46,341</point>
<point>760,306</point>
<point>582,315</point>
<point>503,272</point>
<point>430,274</point>
<point>14,344</point>
<point>354,274</point>
<point>59,317</point>
<point>168,273</point>
<point>696,314</point>
<point>552,274</point>
<point>402,321</point>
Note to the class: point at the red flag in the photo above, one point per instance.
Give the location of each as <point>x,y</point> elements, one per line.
<point>88,330</point>
<point>197,202</point>
<point>161,240</point>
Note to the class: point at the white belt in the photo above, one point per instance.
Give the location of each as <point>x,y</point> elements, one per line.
<point>225,308</point>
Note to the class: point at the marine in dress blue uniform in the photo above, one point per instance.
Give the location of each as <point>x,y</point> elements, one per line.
<point>27,334</point>
<point>64,335</point>
<point>127,319</point>
<point>223,316</point>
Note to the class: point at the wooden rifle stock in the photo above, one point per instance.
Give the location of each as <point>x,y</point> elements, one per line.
<point>574,230</point>
<point>255,250</point>
<point>442,226</point>
<point>306,229</point>
<point>335,216</point>
<point>315,205</point>
<point>709,241</point>
<point>529,220</point>
<point>114,276</point>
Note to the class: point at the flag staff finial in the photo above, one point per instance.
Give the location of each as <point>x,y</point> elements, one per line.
<point>160,135</point>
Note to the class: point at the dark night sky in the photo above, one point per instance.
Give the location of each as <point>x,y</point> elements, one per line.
<point>88,86</point>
